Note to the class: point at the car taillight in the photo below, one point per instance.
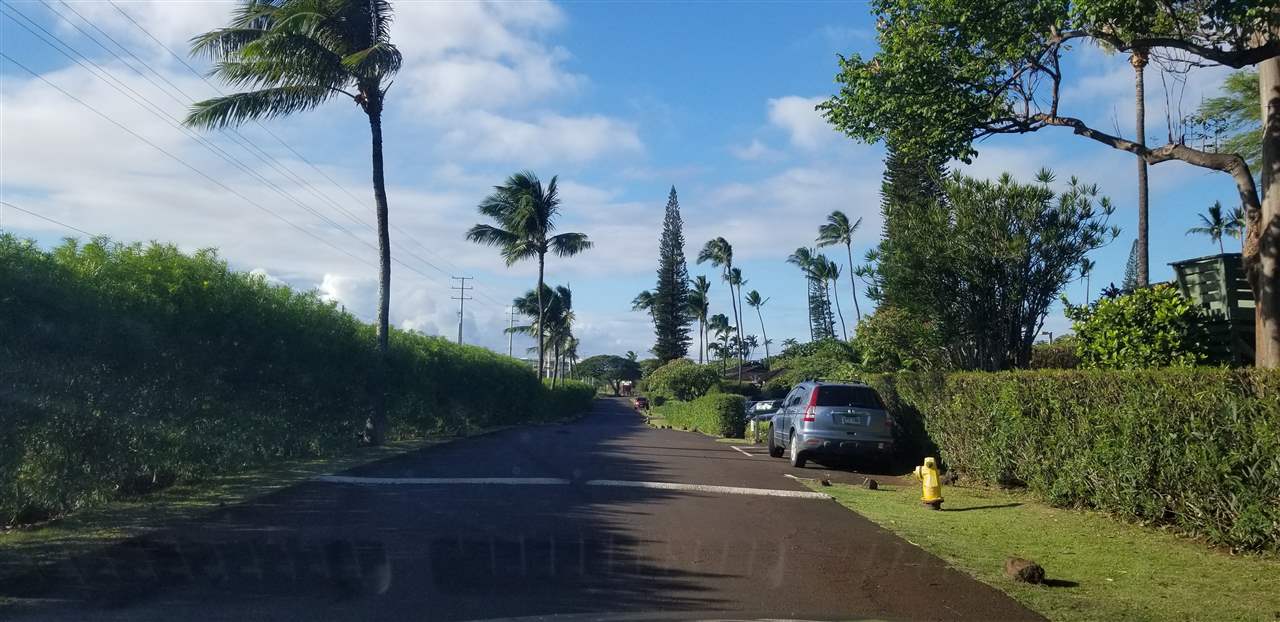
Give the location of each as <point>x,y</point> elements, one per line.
<point>808,410</point>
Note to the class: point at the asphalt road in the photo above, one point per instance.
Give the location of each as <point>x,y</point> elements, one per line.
<point>418,537</point>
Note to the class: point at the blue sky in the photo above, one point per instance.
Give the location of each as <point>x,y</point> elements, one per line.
<point>621,100</point>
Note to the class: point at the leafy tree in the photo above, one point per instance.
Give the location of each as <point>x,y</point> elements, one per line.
<point>891,340</point>
<point>838,230</point>
<point>699,307</point>
<point>1150,327</point>
<point>757,302</point>
<point>671,296</point>
<point>720,253</point>
<point>524,213</point>
<point>683,380</point>
<point>609,369</point>
<point>1215,225</point>
<point>296,55</point>
<point>984,264</point>
<point>1233,120</point>
<point>631,355</point>
<point>949,73</point>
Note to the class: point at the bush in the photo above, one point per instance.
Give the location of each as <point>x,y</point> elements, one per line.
<point>1150,327</point>
<point>720,414</point>
<point>745,389</point>
<point>1061,354</point>
<point>125,368</point>
<point>682,380</point>
<point>891,339</point>
<point>1195,449</point>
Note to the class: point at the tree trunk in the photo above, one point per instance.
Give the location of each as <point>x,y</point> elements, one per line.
<point>853,285</point>
<point>555,373</point>
<point>836,292</point>
<point>375,432</point>
<point>733,299</point>
<point>763,334</point>
<point>1268,287</point>
<point>538,329</point>
<point>700,348</point>
<point>1139,61</point>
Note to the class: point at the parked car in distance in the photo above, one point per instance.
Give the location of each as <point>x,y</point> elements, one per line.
<point>763,410</point>
<point>640,402</point>
<point>831,419</point>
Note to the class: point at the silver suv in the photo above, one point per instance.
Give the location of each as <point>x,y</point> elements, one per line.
<point>830,419</point>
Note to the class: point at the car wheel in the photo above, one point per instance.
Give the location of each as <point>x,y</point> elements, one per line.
<point>775,451</point>
<point>797,456</point>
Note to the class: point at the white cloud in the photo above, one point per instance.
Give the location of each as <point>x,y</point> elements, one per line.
<point>548,138</point>
<point>755,150</point>
<point>804,125</point>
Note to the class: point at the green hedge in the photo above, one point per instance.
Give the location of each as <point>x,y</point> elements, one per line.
<point>682,379</point>
<point>720,414</point>
<point>124,368</point>
<point>1197,449</point>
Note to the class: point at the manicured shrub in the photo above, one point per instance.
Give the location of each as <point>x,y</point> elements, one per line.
<point>1151,327</point>
<point>721,414</point>
<point>126,367</point>
<point>745,389</point>
<point>1061,354</point>
<point>1194,448</point>
<point>682,379</point>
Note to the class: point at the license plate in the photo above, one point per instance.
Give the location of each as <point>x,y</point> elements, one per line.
<point>862,420</point>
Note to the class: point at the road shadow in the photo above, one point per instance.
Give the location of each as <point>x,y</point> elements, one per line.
<point>317,549</point>
<point>972,508</point>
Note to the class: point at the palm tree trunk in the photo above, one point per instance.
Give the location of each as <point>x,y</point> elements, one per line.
<point>836,288</point>
<point>700,349</point>
<point>555,373</point>
<point>1267,341</point>
<point>541,338</point>
<point>1139,61</point>
<point>740,335</point>
<point>853,285</point>
<point>376,427</point>
<point>764,334</point>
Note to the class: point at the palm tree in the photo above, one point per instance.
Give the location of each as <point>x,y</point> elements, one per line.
<point>644,302</point>
<point>556,321</point>
<point>756,302</point>
<point>839,230</point>
<point>720,253</point>
<point>1213,225</point>
<point>631,355</point>
<point>525,215</point>
<point>1138,58</point>
<point>812,265</point>
<point>699,306</point>
<point>1235,224</point>
<point>788,343</point>
<point>1086,271</point>
<point>719,324</point>
<point>295,55</point>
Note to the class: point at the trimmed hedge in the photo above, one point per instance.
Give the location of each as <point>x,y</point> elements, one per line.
<point>682,379</point>
<point>124,368</point>
<point>1197,449</point>
<point>720,414</point>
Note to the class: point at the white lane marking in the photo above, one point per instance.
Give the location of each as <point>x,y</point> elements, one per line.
<point>743,451</point>
<point>519,481</point>
<point>728,490</point>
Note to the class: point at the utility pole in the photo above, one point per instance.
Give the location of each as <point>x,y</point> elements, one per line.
<point>511,334</point>
<point>462,299</point>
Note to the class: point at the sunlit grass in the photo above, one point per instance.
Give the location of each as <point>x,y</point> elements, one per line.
<point>1101,569</point>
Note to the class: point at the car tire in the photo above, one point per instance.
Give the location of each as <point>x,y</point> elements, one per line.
<point>797,456</point>
<point>774,450</point>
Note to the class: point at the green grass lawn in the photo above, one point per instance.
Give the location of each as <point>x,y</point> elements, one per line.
<point>1101,569</point>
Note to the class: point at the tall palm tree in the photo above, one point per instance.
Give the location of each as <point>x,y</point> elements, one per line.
<point>719,324</point>
<point>720,253</point>
<point>839,230</point>
<point>1213,225</point>
<point>524,214</point>
<point>830,271</point>
<point>295,55</point>
<point>556,321</point>
<point>1086,272</point>
<point>699,306</point>
<point>1138,58</point>
<point>809,262</point>
<point>644,301</point>
<point>755,301</point>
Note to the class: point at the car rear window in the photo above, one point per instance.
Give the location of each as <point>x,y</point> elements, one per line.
<point>853,397</point>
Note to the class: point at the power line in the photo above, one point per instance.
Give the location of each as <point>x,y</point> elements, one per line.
<point>300,156</point>
<point>48,219</point>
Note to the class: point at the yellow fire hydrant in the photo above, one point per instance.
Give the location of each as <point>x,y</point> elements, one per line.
<point>930,483</point>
